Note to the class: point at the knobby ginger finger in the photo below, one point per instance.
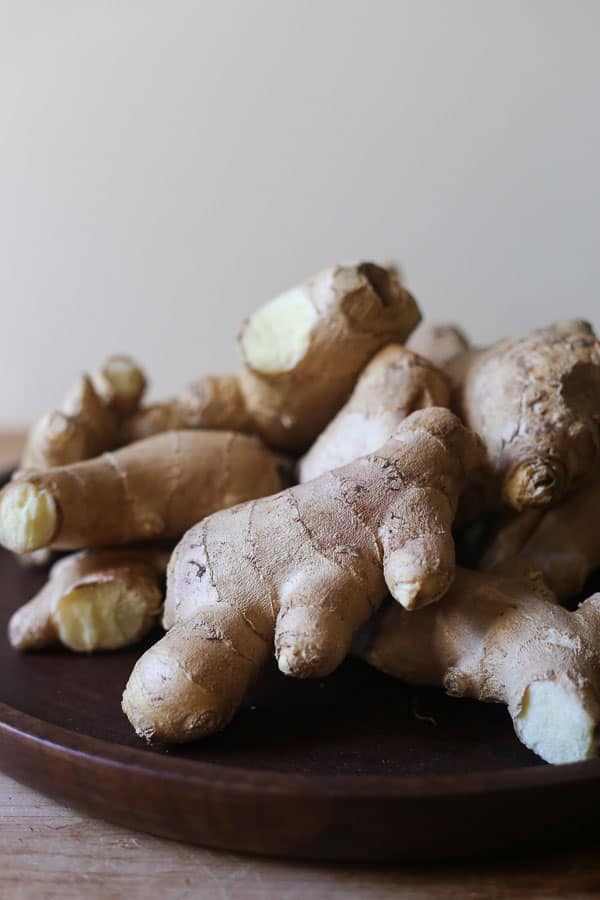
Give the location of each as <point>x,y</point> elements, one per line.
<point>152,490</point>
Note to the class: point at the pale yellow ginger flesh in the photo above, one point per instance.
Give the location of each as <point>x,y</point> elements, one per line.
<point>300,572</point>
<point>277,336</point>
<point>121,384</point>
<point>28,517</point>
<point>151,490</point>
<point>100,617</point>
<point>555,723</point>
<point>500,636</point>
<point>95,600</point>
<point>123,375</point>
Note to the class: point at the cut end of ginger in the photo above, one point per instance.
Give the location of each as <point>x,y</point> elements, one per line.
<point>534,483</point>
<point>555,723</point>
<point>103,616</point>
<point>124,376</point>
<point>277,336</point>
<point>28,517</point>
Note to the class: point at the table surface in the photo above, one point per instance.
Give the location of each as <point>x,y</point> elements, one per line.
<point>48,851</point>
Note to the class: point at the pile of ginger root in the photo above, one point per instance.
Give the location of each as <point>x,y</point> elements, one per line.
<point>313,505</point>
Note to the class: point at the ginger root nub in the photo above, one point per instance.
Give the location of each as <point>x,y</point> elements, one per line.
<point>95,600</point>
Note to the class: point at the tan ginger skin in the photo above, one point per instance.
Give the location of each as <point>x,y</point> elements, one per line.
<point>152,490</point>
<point>302,353</point>
<point>535,403</point>
<point>501,637</point>
<point>395,383</point>
<point>302,571</point>
<point>439,342</point>
<point>90,419</point>
<point>94,600</point>
<point>562,542</point>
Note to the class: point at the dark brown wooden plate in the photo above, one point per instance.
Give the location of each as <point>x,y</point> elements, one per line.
<point>357,767</point>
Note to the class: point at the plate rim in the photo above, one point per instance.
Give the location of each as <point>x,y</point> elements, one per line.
<point>16,724</point>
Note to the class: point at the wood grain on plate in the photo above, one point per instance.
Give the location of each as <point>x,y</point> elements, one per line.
<point>357,767</point>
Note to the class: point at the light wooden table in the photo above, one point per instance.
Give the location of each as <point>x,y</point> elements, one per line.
<point>48,851</point>
<point>11,443</point>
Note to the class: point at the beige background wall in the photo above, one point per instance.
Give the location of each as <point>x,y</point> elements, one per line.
<point>164,167</point>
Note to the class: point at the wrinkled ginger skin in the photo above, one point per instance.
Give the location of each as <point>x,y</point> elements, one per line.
<point>535,402</point>
<point>83,428</point>
<point>301,571</point>
<point>151,490</point>
<point>439,342</point>
<point>494,636</point>
<point>131,575</point>
<point>562,542</point>
<point>350,313</point>
<point>215,402</point>
<point>91,417</point>
<point>395,383</point>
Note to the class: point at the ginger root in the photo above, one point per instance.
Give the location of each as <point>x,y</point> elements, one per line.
<point>535,402</point>
<point>562,542</point>
<point>500,637</point>
<point>302,571</point>
<point>302,353</point>
<point>438,342</point>
<point>94,600</point>
<point>152,490</point>
<point>90,418</point>
<point>121,384</point>
<point>395,383</point>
